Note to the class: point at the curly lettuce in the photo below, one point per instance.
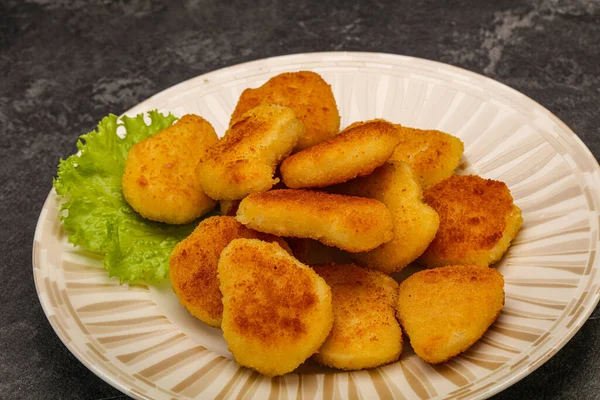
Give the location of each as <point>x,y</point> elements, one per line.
<point>95,214</point>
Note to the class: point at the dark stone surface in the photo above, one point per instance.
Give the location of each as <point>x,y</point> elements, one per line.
<point>65,64</point>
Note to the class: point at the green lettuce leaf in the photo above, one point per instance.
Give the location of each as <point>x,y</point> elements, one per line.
<point>96,215</point>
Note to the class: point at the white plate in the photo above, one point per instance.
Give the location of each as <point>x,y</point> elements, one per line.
<point>140,340</point>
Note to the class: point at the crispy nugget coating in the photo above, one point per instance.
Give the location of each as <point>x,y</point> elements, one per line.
<point>244,160</point>
<point>433,155</point>
<point>415,223</point>
<point>159,180</point>
<point>276,311</point>
<point>365,331</point>
<point>193,265</point>
<point>350,223</point>
<point>304,92</point>
<point>445,310</point>
<point>355,152</point>
<point>478,220</point>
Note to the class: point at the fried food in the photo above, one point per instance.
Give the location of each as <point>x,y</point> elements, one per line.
<point>365,331</point>
<point>433,155</point>
<point>159,181</point>
<point>415,223</point>
<point>193,265</point>
<point>445,310</point>
<point>276,311</point>
<point>304,92</point>
<point>355,152</point>
<point>244,161</point>
<point>478,220</point>
<point>351,223</point>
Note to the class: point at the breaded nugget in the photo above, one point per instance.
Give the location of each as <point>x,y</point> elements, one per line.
<point>478,220</point>
<point>304,92</point>
<point>415,223</point>
<point>355,152</point>
<point>244,160</point>
<point>433,155</point>
<point>193,265</point>
<point>159,181</point>
<point>365,331</point>
<point>351,223</point>
<point>445,310</point>
<point>276,311</point>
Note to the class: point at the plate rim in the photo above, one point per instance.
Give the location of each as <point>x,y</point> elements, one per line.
<point>494,389</point>
<point>45,307</point>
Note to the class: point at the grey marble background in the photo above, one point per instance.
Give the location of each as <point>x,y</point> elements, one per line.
<point>65,64</point>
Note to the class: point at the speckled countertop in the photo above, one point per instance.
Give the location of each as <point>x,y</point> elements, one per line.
<point>64,64</point>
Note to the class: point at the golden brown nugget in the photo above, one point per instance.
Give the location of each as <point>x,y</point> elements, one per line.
<point>445,310</point>
<point>193,265</point>
<point>159,181</point>
<point>244,160</point>
<point>415,223</point>
<point>433,155</point>
<point>365,331</point>
<point>276,311</point>
<point>355,152</point>
<point>478,220</point>
<point>304,92</point>
<point>351,223</point>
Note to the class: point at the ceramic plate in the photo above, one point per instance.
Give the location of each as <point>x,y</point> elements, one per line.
<point>140,340</point>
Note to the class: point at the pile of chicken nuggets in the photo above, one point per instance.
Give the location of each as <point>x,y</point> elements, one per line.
<point>287,180</point>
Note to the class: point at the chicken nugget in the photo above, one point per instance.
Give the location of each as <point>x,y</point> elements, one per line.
<point>415,223</point>
<point>365,332</point>
<point>478,220</point>
<point>276,311</point>
<point>445,310</point>
<point>193,265</point>
<point>159,180</point>
<point>433,155</point>
<point>355,152</point>
<point>304,92</point>
<point>244,161</point>
<point>351,223</point>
